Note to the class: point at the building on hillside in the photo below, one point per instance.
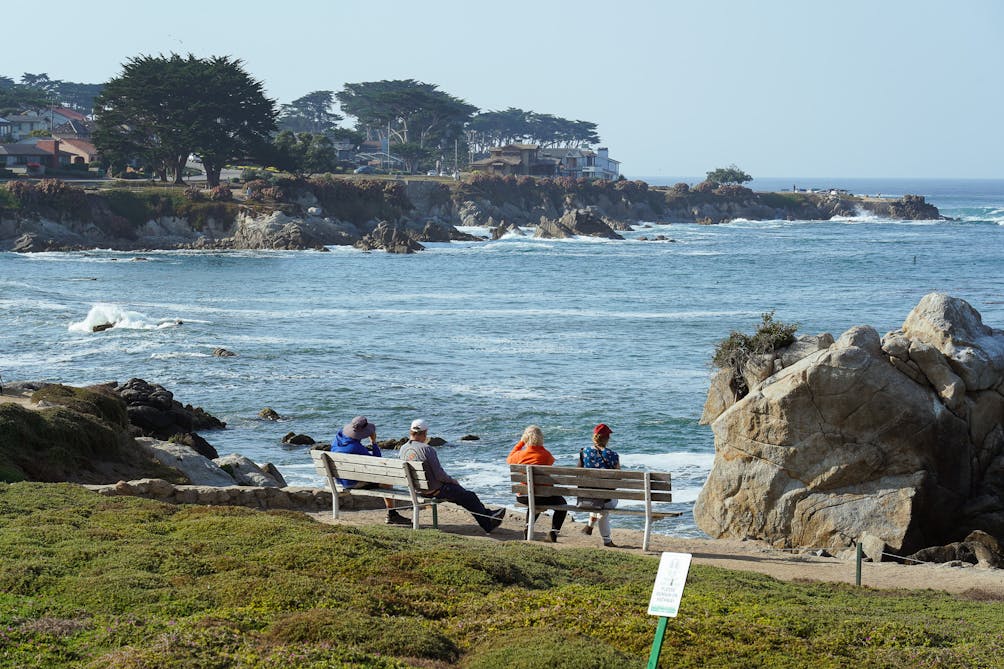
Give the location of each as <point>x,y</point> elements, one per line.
<point>516,159</point>
<point>28,158</point>
<point>531,160</point>
<point>584,163</point>
<point>80,151</point>
<point>24,125</point>
<point>36,155</point>
<point>61,115</point>
<point>5,130</point>
<point>73,130</point>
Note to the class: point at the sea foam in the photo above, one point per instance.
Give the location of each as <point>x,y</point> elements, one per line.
<point>120,318</point>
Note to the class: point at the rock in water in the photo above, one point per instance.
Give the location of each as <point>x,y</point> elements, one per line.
<point>843,443</point>
<point>578,222</point>
<point>223,353</point>
<point>268,413</point>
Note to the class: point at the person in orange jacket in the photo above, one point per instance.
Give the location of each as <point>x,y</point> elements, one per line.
<point>530,451</point>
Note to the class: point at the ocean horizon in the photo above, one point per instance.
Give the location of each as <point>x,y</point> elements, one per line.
<point>487,337</point>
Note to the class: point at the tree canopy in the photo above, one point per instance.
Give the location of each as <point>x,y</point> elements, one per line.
<point>512,125</point>
<point>163,109</point>
<point>314,113</point>
<point>410,111</point>
<point>35,91</point>
<point>302,153</point>
<point>728,175</point>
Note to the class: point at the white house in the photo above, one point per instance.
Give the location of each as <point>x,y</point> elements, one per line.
<point>584,163</point>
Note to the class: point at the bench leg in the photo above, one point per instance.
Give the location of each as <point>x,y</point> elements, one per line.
<point>435,516</point>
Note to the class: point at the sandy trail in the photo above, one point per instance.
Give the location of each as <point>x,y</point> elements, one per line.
<point>738,555</point>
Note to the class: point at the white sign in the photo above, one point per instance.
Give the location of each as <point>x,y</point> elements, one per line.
<point>669,582</point>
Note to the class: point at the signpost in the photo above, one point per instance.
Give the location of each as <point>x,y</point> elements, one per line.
<point>666,595</point>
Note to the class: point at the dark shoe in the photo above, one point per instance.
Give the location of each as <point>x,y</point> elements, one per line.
<point>496,520</point>
<point>587,530</point>
<point>609,544</point>
<point>553,536</point>
<point>395,518</point>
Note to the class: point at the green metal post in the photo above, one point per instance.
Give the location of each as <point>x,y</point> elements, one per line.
<point>660,632</point>
<point>435,516</point>
<point>857,571</point>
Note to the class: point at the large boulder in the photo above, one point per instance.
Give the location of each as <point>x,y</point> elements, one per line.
<point>153,411</point>
<point>868,437</point>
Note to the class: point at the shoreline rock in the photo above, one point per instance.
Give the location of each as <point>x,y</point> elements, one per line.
<point>898,437</point>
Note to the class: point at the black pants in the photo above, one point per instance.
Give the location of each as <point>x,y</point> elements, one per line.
<point>558,519</point>
<point>461,496</point>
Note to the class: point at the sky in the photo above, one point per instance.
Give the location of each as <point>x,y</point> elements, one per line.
<point>857,88</point>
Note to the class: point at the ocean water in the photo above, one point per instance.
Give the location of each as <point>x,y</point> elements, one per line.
<point>486,338</point>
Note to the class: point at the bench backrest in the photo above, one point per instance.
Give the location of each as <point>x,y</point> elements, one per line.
<point>368,469</point>
<point>592,483</point>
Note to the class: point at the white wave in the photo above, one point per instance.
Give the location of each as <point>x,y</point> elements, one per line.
<point>668,462</point>
<point>499,391</point>
<point>24,303</point>
<point>179,354</point>
<point>103,314</point>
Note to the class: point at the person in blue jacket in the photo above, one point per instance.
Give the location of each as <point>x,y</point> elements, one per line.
<point>350,440</point>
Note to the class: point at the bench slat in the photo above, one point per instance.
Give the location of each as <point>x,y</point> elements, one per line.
<point>586,472</point>
<point>609,482</point>
<point>619,509</point>
<point>573,491</point>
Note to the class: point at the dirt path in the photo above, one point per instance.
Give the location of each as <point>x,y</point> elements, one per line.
<point>738,555</point>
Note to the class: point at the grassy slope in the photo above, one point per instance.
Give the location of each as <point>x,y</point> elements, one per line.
<point>82,436</point>
<point>88,581</point>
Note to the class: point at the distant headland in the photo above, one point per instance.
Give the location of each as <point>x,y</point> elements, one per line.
<point>394,214</point>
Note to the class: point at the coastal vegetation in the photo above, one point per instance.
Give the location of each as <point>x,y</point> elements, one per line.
<point>90,581</point>
<point>81,435</point>
<point>738,349</point>
<point>728,175</point>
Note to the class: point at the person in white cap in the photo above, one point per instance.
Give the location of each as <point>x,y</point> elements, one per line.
<point>446,487</point>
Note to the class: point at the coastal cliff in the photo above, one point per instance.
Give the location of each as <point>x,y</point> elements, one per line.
<point>394,215</point>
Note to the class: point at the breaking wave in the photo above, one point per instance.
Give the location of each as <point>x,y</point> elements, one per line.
<point>102,314</point>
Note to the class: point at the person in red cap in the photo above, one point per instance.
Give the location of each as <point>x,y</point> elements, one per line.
<point>598,456</point>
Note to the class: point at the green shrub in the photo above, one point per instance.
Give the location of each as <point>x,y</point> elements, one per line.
<point>98,401</point>
<point>735,351</point>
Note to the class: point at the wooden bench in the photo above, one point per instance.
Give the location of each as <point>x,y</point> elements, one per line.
<point>406,480</point>
<point>593,484</point>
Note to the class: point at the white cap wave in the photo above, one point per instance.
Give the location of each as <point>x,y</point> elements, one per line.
<point>118,317</point>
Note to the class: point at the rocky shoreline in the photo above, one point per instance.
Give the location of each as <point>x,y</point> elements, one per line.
<point>397,216</point>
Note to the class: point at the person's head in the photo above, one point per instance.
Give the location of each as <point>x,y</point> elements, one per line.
<point>532,436</point>
<point>601,435</point>
<point>359,428</point>
<point>419,430</point>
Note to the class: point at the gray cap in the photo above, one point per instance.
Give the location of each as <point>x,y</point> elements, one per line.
<point>359,428</point>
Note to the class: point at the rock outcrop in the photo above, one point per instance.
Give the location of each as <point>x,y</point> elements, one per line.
<point>899,438</point>
<point>391,238</point>
<point>153,410</point>
<point>579,222</point>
